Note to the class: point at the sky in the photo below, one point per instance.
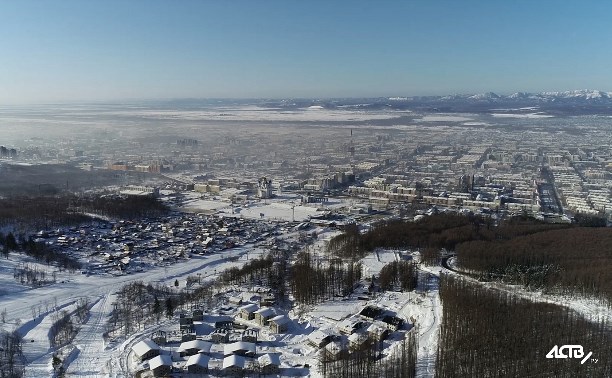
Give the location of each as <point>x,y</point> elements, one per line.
<point>106,50</point>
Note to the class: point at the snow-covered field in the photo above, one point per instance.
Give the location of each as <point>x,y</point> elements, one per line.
<point>523,115</point>
<point>443,118</point>
<point>253,113</point>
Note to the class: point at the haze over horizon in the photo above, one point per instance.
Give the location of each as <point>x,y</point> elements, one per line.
<point>115,50</point>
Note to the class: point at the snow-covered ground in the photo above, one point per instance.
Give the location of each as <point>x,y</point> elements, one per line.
<point>91,357</point>
<point>253,113</point>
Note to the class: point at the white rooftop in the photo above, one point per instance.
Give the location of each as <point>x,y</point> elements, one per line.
<point>198,359</point>
<point>161,360</point>
<point>144,346</point>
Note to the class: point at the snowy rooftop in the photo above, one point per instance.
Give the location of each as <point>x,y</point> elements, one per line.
<point>198,359</point>
<point>269,359</point>
<point>144,346</point>
<point>234,360</point>
<point>265,312</point>
<point>251,307</point>
<point>162,360</point>
<point>201,345</point>
<point>238,346</point>
<point>280,319</point>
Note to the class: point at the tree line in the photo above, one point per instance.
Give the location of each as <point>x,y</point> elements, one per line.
<point>491,333</point>
<point>12,362</point>
<point>574,261</point>
<point>45,212</point>
<point>65,324</point>
<point>440,231</point>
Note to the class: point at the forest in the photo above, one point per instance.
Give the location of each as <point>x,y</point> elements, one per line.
<point>313,281</point>
<point>567,259</point>
<point>12,362</point>
<point>46,212</point>
<point>441,231</point>
<point>491,333</point>
<point>575,261</point>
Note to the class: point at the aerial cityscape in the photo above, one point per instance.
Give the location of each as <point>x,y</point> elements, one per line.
<point>210,222</point>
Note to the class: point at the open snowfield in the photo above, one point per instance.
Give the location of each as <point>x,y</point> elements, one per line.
<point>374,262</point>
<point>524,115</point>
<point>254,113</point>
<point>274,211</point>
<point>443,118</point>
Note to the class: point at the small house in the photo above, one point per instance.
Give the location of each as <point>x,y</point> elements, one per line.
<point>237,301</point>
<point>161,366</point>
<point>145,350</point>
<point>233,365</point>
<point>189,348</point>
<point>240,348</point>
<point>187,336</point>
<point>378,331</point>
<point>319,338</point>
<point>224,324</point>
<point>279,324</point>
<point>269,363</point>
<point>197,364</point>
<point>247,312</point>
<point>159,337</point>
<point>393,323</point>
<point>249,335</point>
<point>198,315</point>
<point>263,315</point>
<point>220,335</point>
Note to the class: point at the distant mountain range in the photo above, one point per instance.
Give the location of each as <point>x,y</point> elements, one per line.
<point>583,95</point>
<point>562,103</point>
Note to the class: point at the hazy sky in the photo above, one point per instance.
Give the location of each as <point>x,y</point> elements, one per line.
<point>84,50</point>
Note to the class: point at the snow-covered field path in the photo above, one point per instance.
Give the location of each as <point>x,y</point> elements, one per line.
<point>89,341</point>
